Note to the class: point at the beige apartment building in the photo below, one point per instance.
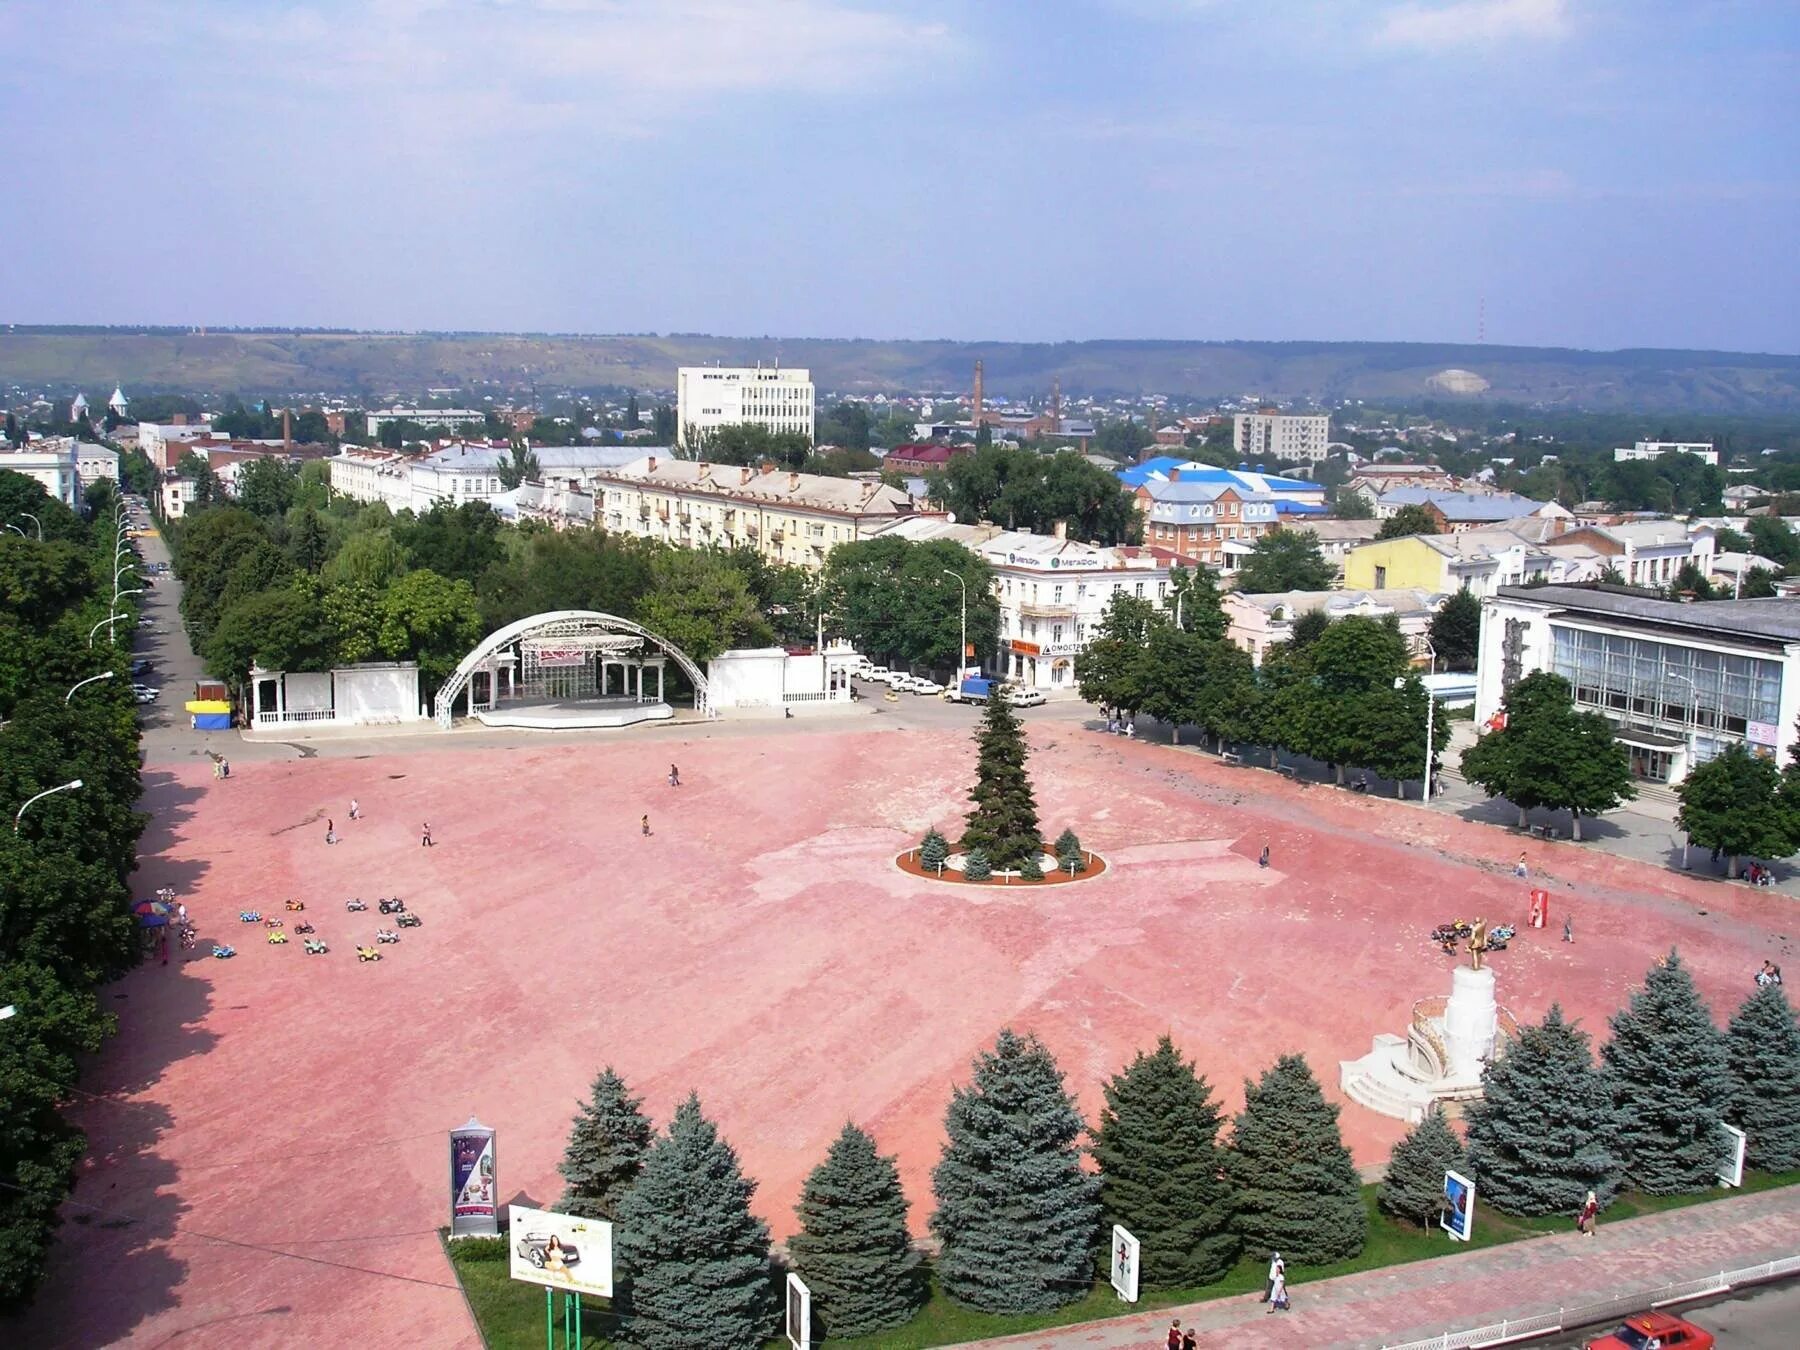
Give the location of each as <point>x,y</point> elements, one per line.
<point>787,517</point>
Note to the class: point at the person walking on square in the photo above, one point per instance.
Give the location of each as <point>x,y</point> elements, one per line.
<point>1568,928</point>
<point>1262,859</point>
<point>645,825</point>
<point>331,831</point>
<point>1190,1339</point>
<point>425,836</point>
<point>1521,868</point>
<point>674,776</point>
<point>1173,1340</point>
<point>1584,1221</point>
<point>162,945</point>
<point>355,810</point>
<point>1274,1269</point>
<point>1278,1295</point>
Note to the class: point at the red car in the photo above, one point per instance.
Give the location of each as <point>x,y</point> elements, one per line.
<point>1655,1331</point>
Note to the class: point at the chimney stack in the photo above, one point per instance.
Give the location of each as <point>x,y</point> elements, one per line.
<point>977,414</point>
<point>1062,531</point>
<point>651,467</point>
<point>1175,475</point>
<point>704,471</point>
<point>745,474</point>
<point>793,482</point>
<point>1056,405</point>
<point>287,431</point>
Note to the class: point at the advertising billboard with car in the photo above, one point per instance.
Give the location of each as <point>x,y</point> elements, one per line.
<point>560,1251</point>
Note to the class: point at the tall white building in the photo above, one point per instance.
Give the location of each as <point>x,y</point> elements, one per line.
<point>66,467</point>
<point>709,397</point>
<point>1305,436</point>
<point>1702,450</point>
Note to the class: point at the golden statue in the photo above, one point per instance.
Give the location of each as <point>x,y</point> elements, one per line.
<point>1477,942</point>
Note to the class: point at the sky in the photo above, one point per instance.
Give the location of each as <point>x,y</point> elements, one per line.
<point>1586,173</point>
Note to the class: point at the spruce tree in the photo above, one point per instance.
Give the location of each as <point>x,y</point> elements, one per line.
<point>1017,1216</point>
<point>606,1148</point>
<point>1413,1189</point>
<point>1068,850</point>
<point>693,1260</point>
<point>1545,1131</point>
<point>1666,1068</point>
<point>976,866</point>
<point>853,1249</point>
<point>1763,1050</point>
<point>933,850</point>
<point>1161,1169</point>
<point>1004,823</point>
<point>1032,869</point>
<point>1297,1192</point>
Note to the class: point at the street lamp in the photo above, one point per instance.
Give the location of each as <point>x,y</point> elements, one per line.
<point>35,521</point>
<point>1430,712</point>
<point>962,651</point>
<point>69,786</point>
<point>103,675</point>
<point>16,530</point>
<point>104,623</point>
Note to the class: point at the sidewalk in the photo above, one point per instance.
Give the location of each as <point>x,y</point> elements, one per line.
<point>1518,1279</point>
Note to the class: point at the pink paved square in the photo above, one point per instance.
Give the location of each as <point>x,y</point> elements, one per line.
<point>759,947</point>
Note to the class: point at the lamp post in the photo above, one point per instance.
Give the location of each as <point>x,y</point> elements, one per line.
<point>16,530</point>
<point>104,623</point>
<point>103,675</point>
<point>35,521</point>
<point>1687,841</point>
<point>1430,712</point>
<point>962,651</point>
<point>69,786</point>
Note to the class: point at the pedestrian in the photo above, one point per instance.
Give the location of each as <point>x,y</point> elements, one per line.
<point>1173,1341</point>
<point>1263,858</point>
<point>331,831</point>
<point>181,914</point>
<point>162,945</point>
<point>645,825</point>
<point>1278,1294</point>
<point>425,836</point>
<point>1131,730</point>
<point>1269,1284</point>
<point>1584,1221</point>
<point>674,776</point>
<point>355,810</point>
<point>1190,1339</point>
<point>215,767</point>
<point>1568,928</point>
<point>1521,868</point>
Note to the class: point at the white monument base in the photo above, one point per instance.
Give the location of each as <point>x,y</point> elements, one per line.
<point>1442,1056</point>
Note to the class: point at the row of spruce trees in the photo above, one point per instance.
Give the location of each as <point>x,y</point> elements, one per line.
<point>1019,1216</point>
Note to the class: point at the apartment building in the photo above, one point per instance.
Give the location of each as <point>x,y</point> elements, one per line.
<point>65,466</point>
<point>464,471</point>
<point>1702,450</point>
<point>1477,561</point>
<point>1648,552</point>
<point>710,397</point>
<point>787,517</point>
<point>1197,518</point>
<point>1305,437</point>
<point>1456,511</point>
<point>1257,622</point>
<point>437,419</point>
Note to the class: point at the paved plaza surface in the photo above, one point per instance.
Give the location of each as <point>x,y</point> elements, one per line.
<point>759,947</point>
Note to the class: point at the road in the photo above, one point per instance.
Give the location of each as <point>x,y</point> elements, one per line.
<point>1762,1318</point>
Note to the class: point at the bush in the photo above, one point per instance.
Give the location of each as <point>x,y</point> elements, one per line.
<point>976,866</point>
<point>470,1251</point>
<point>1032,869</point>
<point>933,850</point>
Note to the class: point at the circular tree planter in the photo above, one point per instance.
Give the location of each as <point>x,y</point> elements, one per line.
<point>952,874</point>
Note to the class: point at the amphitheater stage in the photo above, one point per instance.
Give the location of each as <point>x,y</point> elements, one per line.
<point>574,715</point>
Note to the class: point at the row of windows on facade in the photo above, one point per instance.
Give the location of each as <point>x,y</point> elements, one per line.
<point>1675,687</point>
<point>1004,586</point>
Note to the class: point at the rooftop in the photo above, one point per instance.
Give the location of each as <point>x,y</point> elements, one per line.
<point>749,483</point>
<point>1402,601</point>
<point>1775,619</point>
<point>1461,506</point>
<point>1160,468</point>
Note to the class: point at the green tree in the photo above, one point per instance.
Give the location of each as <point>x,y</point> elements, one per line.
<point>1004,821</point>
<point>934,851</point>
<point>1549,755</point>
<point>1350,505</point>
<point>1162,1171</point>
<point>1455,631</point>
<point>1068,852</point>
<point>976,866</point>
<point>431,620</point>
<point>1115,667</point>
<point>1690,581</point>
<point>1545,1131</point>
<point>1733,804</point>
<point>1413,1189</point>
<point>1201,604</point>
<point>1297,1192</point>
<point>1017,1216</point>
<point>853,1249</point>
<point>891,598</point>
<point>1774,538</point>
<point>520,466</point>
<point>1757,583</point>
<point>632,420</point>
<point>308,545</point>
<point>691,1253</point>
<point>1285,560</point>
<point>1666,1068</point>
<point>1024,490</point>
<point>701,603</point>
<point>284,628</point>
<point>1408,520</point>
<point>1763,1055</point>
<point>459,543</point>
<point>266,486</point>
<point>607,1143</point>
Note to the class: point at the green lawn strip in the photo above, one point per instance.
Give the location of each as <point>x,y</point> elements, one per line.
<point>511,1314</point>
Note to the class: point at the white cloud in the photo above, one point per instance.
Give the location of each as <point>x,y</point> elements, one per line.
<point>1472,23</point>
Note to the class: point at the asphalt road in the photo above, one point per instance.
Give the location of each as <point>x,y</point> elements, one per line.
<point>1763,1318</point>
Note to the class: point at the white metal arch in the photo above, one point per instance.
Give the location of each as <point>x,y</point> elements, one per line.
<point>554,623</point>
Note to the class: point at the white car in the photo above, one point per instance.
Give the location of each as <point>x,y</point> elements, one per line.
<point>897,679</point>
<point>1024,698</point>
<point>877,673</point>
<point>923,685</point>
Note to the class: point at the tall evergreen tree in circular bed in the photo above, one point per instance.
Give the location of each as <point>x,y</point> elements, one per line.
<point>1297,1192</point>
<point>853,1249</point>
<point>1545,1131</point>
<point>1666,1068</point>
<point>694,1261</point>
<point>1763,1050</point>
<point>1413,1188</point>
<point>1017,1216</point>
<point>606,1148</point>
<point>1004,823</point>
<point>1161,1169</point>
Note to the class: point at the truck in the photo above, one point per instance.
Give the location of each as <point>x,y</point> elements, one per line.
<point>973,689</point>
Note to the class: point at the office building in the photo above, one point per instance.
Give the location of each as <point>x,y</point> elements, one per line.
<point>710,397</point>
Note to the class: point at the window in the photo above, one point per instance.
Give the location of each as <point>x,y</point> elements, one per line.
<point>1056,597</point>
<point>1140,590</point>
<point>1381,578</point>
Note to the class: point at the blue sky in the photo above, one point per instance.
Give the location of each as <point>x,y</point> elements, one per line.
<point>1603,172</point>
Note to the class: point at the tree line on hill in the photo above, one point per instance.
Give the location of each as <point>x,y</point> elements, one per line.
<point>66,923</point>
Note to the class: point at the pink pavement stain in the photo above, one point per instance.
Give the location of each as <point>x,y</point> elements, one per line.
<point>759,947</point>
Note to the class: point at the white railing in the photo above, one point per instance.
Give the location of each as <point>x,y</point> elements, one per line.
<point>1590,1314</point>
<point>833,696</point>
<point>306,715</point>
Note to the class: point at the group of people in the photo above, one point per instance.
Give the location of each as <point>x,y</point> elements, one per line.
<point>1758,875</point>
<point>1769,974</point>
<point>1118,724</point>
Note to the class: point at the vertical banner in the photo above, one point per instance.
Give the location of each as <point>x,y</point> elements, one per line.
<point>1731,1172</point>
<point>1124,1264</point>
<point>473,1212</point>
<point>799,1313</point>
<point>1458,1217</point>
<point>1540,909</point>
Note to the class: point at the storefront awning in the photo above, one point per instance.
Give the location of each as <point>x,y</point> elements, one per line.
<point>1648,740</point>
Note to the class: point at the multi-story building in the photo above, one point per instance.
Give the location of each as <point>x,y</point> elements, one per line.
<point>1702,450</point>
<point>1305,437</point>
<point>1196,518</point>
<point>710,397</point>
<point>1336,538</point>
<point>1477,561</point>
<point>435,419</point>
<point>787,517</point>
<point>65,466</point>
<point>1258,622</point>
<point>370,475</point>
<point>1648,552</point>
<point>1052,591</point>
<point>464,471</point>
<point>1680,682</point>
<point>1456,511</point>
<point>163,443</point>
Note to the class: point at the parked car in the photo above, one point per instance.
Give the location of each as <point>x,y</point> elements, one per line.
<point>144,693</point>
<point>876,673</point>
<point>1655,1331</point>
<point>898,679</point>
<point>1023,698</point>
<point>973,689</point>
<point>925,685</point>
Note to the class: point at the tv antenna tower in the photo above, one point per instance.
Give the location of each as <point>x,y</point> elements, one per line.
<point>1481,322</point>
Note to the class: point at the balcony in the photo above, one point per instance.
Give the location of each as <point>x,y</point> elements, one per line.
<point>1033,609</point>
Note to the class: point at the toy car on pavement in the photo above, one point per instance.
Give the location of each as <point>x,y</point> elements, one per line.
<point>386,935</point>
<point>1655,1331</point>
<point>277,937</point>
<point>393,906</point>
<point>303,927</point>
<point>249,916</point>
<point>367,954</point>
<point>315,947</point>
<point>224,953</point>
<point>354,906</point>
<point>409,921</point>
<point>295,906</point>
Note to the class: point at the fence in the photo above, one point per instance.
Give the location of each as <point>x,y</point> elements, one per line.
<point>1589,1314</point>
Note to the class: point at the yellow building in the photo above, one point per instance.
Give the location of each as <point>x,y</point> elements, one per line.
<point>1398,564</point>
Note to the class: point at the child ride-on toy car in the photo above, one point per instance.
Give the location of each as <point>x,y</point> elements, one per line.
<point>249,916</point>
<point>409,921</point>
<point>224,952</point>
<point>303,927</point>
<point>277,937</point>
<point>314,947</point>
<point>394,906</point>
<point>274,923</point>
<point>367,954</point>
<point>355,906</point>
<point>386,935</point>
<point>295,906</point>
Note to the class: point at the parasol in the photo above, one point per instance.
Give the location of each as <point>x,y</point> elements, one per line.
<point>151,913</point>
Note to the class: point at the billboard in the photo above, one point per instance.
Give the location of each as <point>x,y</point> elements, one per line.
<point>559,1251</point>
<point>799,1313</point>
<point>1458,1217</point>
<point>1124,1264</point>
<point>472,1208</point>
<point>1731,1170</point>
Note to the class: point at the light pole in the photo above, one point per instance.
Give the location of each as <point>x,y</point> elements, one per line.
<point>16,530</point>
<point>69,786</point>
<point>104,623</point>
<point>1430,712</point>
<point>35,521</point>
<point>962,651</point>
<point>103,675</point>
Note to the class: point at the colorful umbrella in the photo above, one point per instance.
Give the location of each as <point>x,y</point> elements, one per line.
<point>150,907</point>
<point>152,920</point>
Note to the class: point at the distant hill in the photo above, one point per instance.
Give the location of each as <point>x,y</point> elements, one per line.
<point>379,365</point>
